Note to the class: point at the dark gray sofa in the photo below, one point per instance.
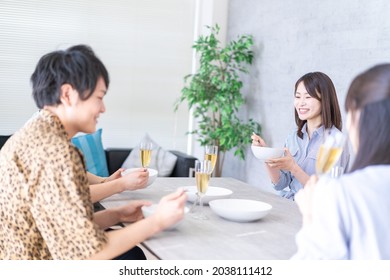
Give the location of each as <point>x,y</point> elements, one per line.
<point>115,158</point>
<point>3,139</point>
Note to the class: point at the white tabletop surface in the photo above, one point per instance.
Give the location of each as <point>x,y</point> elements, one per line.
<point>272,237</point>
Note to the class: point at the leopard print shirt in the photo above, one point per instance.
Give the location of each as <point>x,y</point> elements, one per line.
<point>45,204</point>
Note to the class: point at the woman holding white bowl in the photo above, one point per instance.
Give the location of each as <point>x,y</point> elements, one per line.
<point>316,110</point>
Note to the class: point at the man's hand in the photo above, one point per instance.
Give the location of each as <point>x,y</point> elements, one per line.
<point>131,212</point>
<point>170,209</point>
<point>136,179</point>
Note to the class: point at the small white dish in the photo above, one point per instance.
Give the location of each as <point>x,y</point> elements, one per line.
<point>211,194</point>
<point>240,210</point>
<point>265,153</point>
<point>152,174</point>
<point>149,210</point>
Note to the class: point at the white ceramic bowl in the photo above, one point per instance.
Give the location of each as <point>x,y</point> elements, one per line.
<point>152,174</point>
<point>149,210</point>
<point>240,210</point>
<point>265,153</point>
<point>211,194</point>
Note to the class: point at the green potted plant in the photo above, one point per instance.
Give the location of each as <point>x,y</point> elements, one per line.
<point>214,94</point>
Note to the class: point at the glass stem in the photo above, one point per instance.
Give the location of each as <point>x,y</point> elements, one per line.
<point>201,206</point>
<point>194,205</point>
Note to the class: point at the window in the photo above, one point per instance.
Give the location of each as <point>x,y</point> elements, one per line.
<point>146,46</point>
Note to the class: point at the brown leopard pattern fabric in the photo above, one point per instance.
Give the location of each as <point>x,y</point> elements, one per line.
<point>46,209</point>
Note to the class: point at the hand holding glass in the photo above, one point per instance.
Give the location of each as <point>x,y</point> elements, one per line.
<point>330,151</point>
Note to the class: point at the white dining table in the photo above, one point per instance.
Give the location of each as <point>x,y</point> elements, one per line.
<point>270,238</point>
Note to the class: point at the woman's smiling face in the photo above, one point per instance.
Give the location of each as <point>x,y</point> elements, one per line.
<point>307,107</point>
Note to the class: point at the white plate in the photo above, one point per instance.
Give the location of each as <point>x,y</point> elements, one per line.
<point>152,174</point>
<point>240,210</point>
<point>211,194</point>
<point>149,210</point>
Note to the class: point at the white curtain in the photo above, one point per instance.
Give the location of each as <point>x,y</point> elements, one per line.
<point>146,46</point>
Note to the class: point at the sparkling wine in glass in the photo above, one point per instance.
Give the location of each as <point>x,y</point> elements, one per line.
<point>146,153</point>
<point>203,171</point>
<point>211,153</point>
<point>330,151</point>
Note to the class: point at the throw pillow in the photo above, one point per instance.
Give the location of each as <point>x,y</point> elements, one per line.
<point>162,160</point>
<point>92,148</point>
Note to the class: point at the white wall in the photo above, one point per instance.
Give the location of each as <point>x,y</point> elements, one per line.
<point>339,38</point>
<point>146,46</point>
<point>208,13</point>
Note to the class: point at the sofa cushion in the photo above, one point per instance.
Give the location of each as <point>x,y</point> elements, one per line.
<point>92,148</point>
<point>162,160</point>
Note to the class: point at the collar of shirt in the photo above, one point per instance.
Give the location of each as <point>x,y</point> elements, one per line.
<point>308,147</point>
<point>319,132</point>
<point>54,121</point>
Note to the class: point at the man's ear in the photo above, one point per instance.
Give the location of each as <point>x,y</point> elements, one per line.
<point>68,95</point>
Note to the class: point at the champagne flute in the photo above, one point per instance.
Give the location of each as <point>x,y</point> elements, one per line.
<point>203,171</point>
<point>330,151</point>
<point>146,153</point>
<point>211,153</point>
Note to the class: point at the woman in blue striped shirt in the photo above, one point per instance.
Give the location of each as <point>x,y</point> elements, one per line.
<point>316,110</point>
